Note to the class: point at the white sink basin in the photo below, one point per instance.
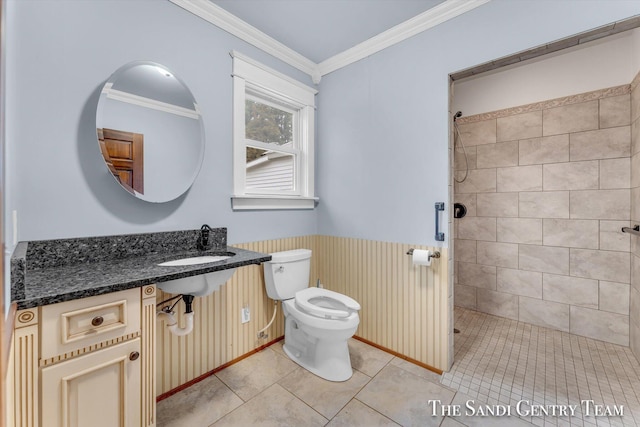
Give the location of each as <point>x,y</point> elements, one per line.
<point>198,286</point>
<point>194,260</point>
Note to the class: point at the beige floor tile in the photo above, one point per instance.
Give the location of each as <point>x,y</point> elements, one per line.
<point>416,370</point>
<point>199,405</point>
<point>367,359</point>
<point>497,360</point>
<point>450,422</point>
<point>326,397</point>
<point>273,407</point>
<point>250,376</point>
<point>278,348</point>
<point>502,360</point>
<point>358,414</point>
<point>472,419</point>
<point>402,396</point>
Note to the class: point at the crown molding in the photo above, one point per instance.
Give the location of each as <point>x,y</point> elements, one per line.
<point>230,23</point>
<point>141,101</point>
<point>409,28</point>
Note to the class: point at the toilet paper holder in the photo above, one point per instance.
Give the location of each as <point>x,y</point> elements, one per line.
<point>435,254</point>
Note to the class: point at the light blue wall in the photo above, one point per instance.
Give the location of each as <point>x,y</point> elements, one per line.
<point>59,54</point>
<point>383,122</point>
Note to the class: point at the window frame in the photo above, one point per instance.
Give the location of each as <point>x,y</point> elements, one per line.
<point>255,81</point>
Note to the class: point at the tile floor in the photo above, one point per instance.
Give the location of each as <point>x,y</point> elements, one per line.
<point>268,389</point>
<point>501,361</point>
<point>498,363</point>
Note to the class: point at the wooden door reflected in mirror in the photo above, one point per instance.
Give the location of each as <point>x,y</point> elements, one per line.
<point>123,153</point>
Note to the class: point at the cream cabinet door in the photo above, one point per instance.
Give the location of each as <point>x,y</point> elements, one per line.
<point>99,389</point>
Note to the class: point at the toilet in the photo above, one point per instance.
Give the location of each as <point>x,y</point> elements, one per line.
<point>318,322</point>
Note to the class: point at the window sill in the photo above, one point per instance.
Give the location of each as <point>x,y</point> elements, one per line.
<point>246,203</point>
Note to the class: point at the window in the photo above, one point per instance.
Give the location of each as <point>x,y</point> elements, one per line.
<point>273,128</point>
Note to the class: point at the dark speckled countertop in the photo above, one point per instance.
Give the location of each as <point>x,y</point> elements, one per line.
<point>51,271</point>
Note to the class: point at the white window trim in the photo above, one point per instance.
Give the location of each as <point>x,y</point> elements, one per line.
<point>248,73</point>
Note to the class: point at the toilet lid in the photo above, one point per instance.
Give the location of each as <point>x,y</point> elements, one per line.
<point>313,301</point>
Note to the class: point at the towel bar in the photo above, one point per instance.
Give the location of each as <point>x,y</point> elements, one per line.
<point>635,230</point>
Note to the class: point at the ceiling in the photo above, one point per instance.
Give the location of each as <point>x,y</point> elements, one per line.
<point>320,29</point>
<point>320,36</point>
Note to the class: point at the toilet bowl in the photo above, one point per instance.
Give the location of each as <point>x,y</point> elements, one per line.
<point>318,322</point>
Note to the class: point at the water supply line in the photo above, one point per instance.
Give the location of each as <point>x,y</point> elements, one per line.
<point>169,316</point>
<point>456,130</point>
<point>261,333</point>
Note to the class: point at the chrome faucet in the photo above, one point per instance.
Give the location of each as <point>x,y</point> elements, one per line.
<point>203,240</point>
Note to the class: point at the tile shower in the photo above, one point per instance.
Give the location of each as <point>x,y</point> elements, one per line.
<point>549,187</point>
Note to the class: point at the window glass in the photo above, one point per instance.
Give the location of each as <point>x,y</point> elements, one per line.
<point>270,170</point>
<point>266,123</point>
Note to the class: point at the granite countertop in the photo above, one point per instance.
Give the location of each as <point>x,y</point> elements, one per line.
<point>48,272</point>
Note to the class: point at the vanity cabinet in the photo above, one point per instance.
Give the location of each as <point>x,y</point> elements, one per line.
<point>93,390</point>
<point>87,362</point>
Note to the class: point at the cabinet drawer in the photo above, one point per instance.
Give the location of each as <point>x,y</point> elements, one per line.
<point>98,319</point>
<point>73,325</point>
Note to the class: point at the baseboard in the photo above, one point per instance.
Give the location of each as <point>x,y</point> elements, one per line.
<point>270,343</point>
<point>398,355</point>
<point>218,369</point>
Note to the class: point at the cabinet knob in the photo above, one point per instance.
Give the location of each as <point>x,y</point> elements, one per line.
<point>134,355</point>
<point>97,321</point>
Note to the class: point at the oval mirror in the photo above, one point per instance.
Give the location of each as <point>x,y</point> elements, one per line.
<point>150,131</point>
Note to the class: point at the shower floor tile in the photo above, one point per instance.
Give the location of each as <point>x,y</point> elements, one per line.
<point>510,361</point>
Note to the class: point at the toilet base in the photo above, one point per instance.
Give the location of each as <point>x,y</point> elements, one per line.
<point>331,370</point>
<point>328,359</point>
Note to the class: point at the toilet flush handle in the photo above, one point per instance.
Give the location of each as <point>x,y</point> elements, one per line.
<point>280,269</point>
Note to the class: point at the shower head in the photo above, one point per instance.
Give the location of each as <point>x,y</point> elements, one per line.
<point>457,115</point>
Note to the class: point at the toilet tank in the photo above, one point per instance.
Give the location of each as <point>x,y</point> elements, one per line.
<point>287,273</point>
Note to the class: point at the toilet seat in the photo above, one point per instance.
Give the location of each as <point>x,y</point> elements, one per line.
<point>314,300</point>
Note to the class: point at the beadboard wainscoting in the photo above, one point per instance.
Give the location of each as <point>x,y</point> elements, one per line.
<point>404,308</point>
<point>219,336</point>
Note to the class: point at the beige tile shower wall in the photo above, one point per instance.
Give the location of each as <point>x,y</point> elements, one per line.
<point>548,191</point>
<point>634,321</point>
<point>219,336</point>
<point>404,307</point>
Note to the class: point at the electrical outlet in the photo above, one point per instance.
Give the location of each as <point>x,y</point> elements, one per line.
<point>245,314</point>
